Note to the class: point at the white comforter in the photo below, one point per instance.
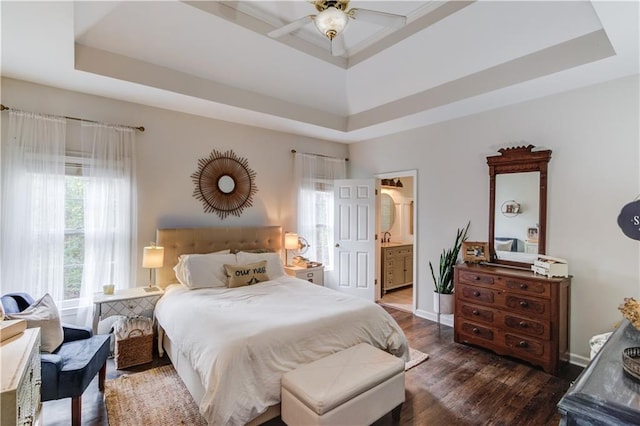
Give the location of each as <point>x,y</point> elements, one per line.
<point>241,340</point>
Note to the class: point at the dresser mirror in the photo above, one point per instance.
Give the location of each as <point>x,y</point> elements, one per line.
<point>387,212</point>
<point>517,205</point>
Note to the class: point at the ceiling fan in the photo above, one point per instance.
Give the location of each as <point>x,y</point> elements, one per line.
<point>332,19</point>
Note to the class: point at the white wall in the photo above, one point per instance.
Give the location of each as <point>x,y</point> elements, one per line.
<point>168,152</point>
<point>594,171</point>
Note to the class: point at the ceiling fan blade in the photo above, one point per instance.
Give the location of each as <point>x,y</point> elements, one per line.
<point>338,48</point>
<point>290,27</point>
<point>380,18</point>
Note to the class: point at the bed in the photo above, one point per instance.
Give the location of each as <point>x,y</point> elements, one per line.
<point>230,346</point>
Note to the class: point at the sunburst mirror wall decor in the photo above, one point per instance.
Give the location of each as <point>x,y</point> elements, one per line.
<point>224,183</point>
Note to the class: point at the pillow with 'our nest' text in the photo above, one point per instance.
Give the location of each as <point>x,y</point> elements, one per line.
<point>242,275</point>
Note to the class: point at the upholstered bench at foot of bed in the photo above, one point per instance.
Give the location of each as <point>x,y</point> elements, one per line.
<point>356,386</point>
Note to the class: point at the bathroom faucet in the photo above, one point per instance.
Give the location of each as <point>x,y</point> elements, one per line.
<point>386,239</point>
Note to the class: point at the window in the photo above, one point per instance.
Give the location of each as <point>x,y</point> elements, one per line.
<point>314,180</point>
<point>68,219</point>
<point>322,229</point>
<point>73,236</point>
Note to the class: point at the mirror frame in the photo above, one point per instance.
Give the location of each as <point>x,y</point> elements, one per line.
<point>392,212</point>
<point>516,160</point>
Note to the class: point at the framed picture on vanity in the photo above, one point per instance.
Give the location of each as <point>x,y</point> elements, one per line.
<point>475,251</point>
<point>532,234</point>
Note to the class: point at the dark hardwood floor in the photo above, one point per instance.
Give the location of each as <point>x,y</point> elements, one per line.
<point>457,385</point>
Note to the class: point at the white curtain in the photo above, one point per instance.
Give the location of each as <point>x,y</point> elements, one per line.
<point>109,209</point>
<point>314,176</point>
<point>32,221</point>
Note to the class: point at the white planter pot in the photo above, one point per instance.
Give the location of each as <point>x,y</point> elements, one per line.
<point>443,303</point>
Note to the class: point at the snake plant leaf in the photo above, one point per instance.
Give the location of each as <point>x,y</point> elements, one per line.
<point>448,258</point>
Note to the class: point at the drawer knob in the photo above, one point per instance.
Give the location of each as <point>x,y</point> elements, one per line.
<point>476,293</point>
<point>524,303</point>
<point>475,312</point>
<point>523,286</point>
<point>476,330</point>
<point>522,344</point>
<point>477,278</point>
<point>523,324</point>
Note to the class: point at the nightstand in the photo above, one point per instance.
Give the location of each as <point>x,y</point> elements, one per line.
<point>128,302</point>
<point>314,275</point>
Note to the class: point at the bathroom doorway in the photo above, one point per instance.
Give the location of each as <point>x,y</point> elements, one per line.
<point>396,249</point>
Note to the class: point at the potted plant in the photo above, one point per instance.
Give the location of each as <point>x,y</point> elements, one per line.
<point>443,299</point>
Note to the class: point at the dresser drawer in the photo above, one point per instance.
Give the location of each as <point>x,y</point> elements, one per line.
<point>476,313</point>
<point>476,294</point>
<point>129,307</point>
<point>475,330</point>
<point>528,305</point>
<point>526,347</point>
<point>314,275</point>
<point>475,278</point>
<point>528,326</point>
<point>535,288</point>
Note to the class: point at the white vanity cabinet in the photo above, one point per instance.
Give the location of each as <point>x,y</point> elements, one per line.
<point>397,266</point>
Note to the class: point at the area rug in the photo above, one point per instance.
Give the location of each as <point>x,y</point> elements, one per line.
<point>416,358</point>
<point>158,397</point>
<point>153,397</point>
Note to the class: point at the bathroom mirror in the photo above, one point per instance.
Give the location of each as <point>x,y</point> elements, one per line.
<point>517,205</point>
<point>387,212</point>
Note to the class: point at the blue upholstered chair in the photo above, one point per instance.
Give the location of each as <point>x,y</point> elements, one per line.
<point>68,371</point>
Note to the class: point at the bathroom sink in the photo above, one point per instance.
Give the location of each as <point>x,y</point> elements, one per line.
<point>394,244</point>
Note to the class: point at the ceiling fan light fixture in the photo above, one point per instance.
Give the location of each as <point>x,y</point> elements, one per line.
<point>331,22</point>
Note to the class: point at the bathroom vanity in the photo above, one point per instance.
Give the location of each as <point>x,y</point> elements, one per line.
<point>397,266</point>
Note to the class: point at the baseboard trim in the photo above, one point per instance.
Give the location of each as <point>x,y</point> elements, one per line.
<point>579,360</point>
<point>432,316</point>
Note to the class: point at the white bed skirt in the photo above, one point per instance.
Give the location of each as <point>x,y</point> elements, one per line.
<point>192,381</point>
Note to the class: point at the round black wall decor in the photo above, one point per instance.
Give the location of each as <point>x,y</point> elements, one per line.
<point>629,220</point>
<point>224,183</point>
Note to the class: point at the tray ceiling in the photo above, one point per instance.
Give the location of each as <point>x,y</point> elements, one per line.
<point>214,58</point>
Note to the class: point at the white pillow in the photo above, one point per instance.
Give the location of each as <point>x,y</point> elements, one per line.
<point>274,263</point>
<point>203,270</point>
<point>503,245</point>
<point>43,313</point>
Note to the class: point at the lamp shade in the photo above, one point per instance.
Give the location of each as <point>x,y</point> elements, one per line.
<point>153,257</point>
<point>331,22</point>
<point>290,240</point>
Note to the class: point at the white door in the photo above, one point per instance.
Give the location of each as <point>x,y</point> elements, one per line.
<point>354,236</point>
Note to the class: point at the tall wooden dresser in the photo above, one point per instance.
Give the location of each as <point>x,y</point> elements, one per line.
<point>513,312</point>
<point>20,360</point>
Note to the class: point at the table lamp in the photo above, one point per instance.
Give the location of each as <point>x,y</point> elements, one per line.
<point>152,258</point>
<point>290,243</point>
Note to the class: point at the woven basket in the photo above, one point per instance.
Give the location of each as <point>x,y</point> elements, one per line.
<point>631,362</point>
<point>136,349</point>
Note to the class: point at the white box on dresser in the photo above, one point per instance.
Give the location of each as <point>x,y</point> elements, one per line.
<point>20,362</point>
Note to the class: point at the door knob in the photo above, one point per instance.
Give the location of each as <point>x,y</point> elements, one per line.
<point>337,245</point>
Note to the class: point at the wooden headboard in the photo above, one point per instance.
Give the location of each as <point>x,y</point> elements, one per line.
<point>178,241</point>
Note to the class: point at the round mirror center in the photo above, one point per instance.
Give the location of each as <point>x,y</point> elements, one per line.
<point>226,184</point>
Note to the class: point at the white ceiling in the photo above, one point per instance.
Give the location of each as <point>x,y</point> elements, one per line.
<point>214,58</point>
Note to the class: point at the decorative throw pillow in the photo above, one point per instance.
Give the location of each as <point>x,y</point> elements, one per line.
<point>203,270</point>
<point>43,313</point>
<point>241,275</point>
<point>274,262</point>
<point>504,245</point>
